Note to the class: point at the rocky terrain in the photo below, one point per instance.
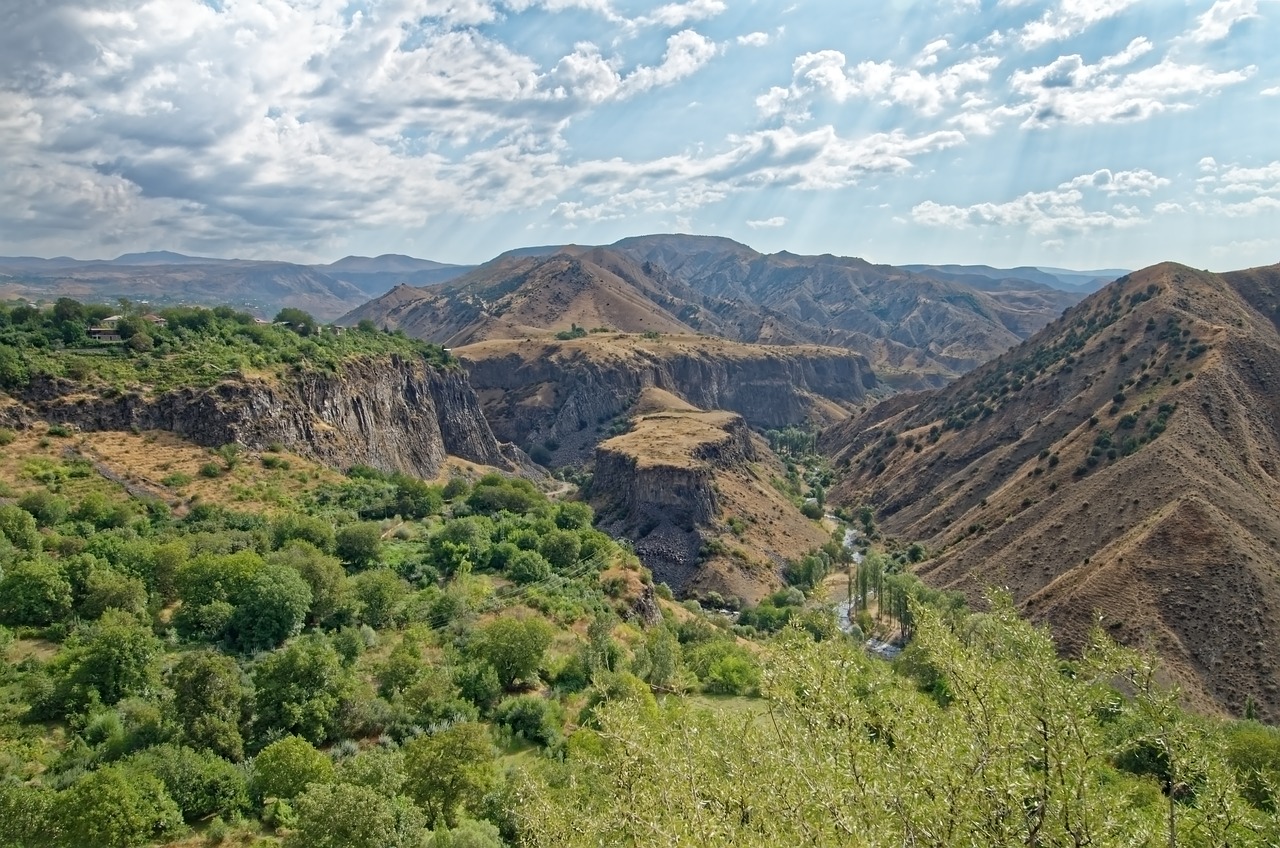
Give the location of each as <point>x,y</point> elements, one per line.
<point>392,414</point>
<point>565,396</point>
<point>673,483</point>
<point>915,329</point>
<point>1122,466</point>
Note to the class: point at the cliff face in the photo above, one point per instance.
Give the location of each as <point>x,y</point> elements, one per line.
<point>672,484</point>
<point>564,393</point>
<point>393,414</point>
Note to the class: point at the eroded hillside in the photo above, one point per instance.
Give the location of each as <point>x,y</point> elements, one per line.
<point>567,395</point>
<point>1122,463</point>
<point>694,492</point>
<point>916,330</point>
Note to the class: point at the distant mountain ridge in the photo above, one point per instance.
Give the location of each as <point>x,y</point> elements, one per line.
<point>261,286</point>
<point>926,327</point>
<point>1059,278</point>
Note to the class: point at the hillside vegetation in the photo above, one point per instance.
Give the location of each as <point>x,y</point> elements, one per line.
<point>178,346</point>
<point>226,645</point>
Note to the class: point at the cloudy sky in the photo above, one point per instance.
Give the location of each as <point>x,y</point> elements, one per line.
<point>1080,133</point>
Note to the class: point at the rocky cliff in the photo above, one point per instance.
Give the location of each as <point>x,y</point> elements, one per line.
<point>673,483</point>
<point>564,394</point>
<point>393,414</point>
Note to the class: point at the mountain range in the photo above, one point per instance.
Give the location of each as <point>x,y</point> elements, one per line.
<point>917,329</point>
<point>261,286</point>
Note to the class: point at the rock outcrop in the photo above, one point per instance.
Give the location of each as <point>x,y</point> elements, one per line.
<point>392,414</point>
<point>565,393</point>
<point>673,483</point>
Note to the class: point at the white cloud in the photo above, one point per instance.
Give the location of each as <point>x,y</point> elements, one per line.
<point>1208,163</point>
<point>1071,17</point>
<point>1068,90</point>
<point>1216,23</point>
<point>823,74</point>
<point>687,52</point>
<point>754,39</point>
<point>1139,182</point>
<point>1042,213</point>
<point>1168,208</point>
<point>768,223</point>
<point>1273,91</point>
<point>675,15</point>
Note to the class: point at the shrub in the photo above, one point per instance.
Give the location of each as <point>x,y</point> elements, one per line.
<point>211,470</point>
<point>286,768</point>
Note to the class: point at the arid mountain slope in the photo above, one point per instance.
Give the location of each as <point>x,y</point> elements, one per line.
<point>917,331</point>
<point>567,395</point>
<point>1123,462</point>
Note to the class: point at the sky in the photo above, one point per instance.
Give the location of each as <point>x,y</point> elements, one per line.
<point>1072,133</point>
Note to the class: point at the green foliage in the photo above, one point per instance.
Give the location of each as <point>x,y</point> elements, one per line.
<point>270,609</point>
<point>201,784</point>
<point>115,807</point>
<point>299,689</point>
<point>110,659</point>
<point>574,332</point>
<point>210,699</point>
<point>19,527</point>
<point>468,834</point>
<point>48,509</point>
<point>332,601</point>
<point>531,717</point>
<point>379,769</point>
<point>347,816</point>
<point>34,592</point>
<point>494,493</point>
<point>106,589</point>
<point>513,646</point>
<point>196,347</point>
<point>380,593</point>
<point>450,771</point>
<point>360,545</point>
<point>286,768</point>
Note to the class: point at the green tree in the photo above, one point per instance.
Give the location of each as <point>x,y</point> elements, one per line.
<point>19,527</point>
<point>360,545</point>
<point>270,609</point>
<point>381,592</point>
<point>470,833</point>
<point>200,783</point>
<point>34,592</point>
<point>112,658</point>
<point>333,603</point>
<point>379,769</point>
<point>561,548</point>
<point>301,322</point>
<point>116,808</point>
<point>347,816</point>
<point>46,508</point>
<point>513,646</point>
<point>307,528</point>
<point>286,767</point>
<point>106,588</point>
<point>299,689</point>
<point>528,567</point>
<point>450,771</point>
<point>27,817</point>
<point>210,698</point>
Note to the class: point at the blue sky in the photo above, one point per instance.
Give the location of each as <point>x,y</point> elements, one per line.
<point>1078,133</point>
